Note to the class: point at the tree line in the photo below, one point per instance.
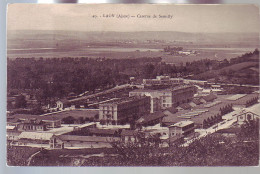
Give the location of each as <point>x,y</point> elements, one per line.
<point>55,78</point>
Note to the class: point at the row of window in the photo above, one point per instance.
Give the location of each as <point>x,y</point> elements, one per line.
<point>82,142</point>
<point>33,127</point>
<point>108,109</point>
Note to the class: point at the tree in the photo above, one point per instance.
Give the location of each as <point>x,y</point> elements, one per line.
<point>102,122</point>
<point>9,105</point>
<point>87,119</point>
<point>37,110</point>
<point>249,130</point>
<point>68,120</point>
<point>81,120</point>
<point>148,71</point>
<point>20,102</point>
<point>96,117</point>
<point>113,122</point>
<point>142,152</point>
<point>256,52</point>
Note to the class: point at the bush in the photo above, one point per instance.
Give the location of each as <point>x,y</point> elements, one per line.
<point>102,122</point>
<point>113,122</point>
<point>68,120</point>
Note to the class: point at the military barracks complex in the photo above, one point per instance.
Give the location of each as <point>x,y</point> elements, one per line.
<point>169,107</point>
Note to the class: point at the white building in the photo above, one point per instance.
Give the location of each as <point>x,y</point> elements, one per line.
<point>182,128</point>
<point>251,113</point>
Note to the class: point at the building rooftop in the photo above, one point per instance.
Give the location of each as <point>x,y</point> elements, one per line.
<point>254,69</point>
<point>86,138</point>
<point>102,131</point>
<point>232,130</point>
<point>209,97</point>
<point>236,97</point>
<point>115,89</point>
<point>61,130</point>
<point>163,90</point>
<point>197,115</point>
<point>208,105</point>
<point>151,92</point>
<point>90,113</point>
<point>255,109</point>
<point>87,125</point>
<point>151,117</point>
<point>35,136</point>
<point>175,88</point>
<point>33,121</point>
<point>172,110</point>
<point>193,113</point>
<point>64,101</point>
<point>182,123</point>
<point>185,106</point>
<point>245,99</point>
<point>10,127</point>
<point>195,80</point>
<point>123,100</point>
<point>203,116</point>
<point>144,90</point>
<point>196,101</point>
<point>27,116</point>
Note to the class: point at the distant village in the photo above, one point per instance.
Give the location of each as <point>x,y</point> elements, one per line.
<point>170,109</point>
<point>179,51</point>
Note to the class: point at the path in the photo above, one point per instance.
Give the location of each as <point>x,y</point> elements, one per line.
<point>31,157</point>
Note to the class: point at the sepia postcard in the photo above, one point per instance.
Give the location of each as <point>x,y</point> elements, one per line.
<point>132,85</point>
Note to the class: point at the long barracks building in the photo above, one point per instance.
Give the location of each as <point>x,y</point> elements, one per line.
<point>166,98</point>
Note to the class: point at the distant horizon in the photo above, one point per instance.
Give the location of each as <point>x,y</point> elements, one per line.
<point>228,32</point>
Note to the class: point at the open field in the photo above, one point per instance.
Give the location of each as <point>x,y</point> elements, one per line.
<point>130,52</point>
<point>116,45</point>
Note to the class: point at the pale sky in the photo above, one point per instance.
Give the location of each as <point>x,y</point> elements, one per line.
<point>186,18</point>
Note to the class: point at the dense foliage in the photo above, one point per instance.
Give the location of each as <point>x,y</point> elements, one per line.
<point>58,77</point>
<point>236,70</point>
<point>50,79</point>
<point>16,156</point>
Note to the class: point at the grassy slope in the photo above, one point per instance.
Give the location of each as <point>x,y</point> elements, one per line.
<point>18,156</point>
<point>236,68</point>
